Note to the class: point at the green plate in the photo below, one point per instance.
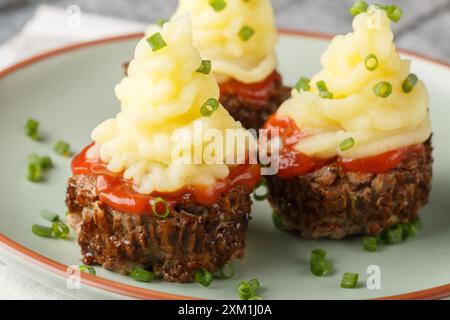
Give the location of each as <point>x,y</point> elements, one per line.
<point>70,91</point>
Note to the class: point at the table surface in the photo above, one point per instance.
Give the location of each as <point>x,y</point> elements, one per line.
<point>424,28</point>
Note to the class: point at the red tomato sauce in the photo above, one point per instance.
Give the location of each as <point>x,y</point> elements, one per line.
<point>259,91</point>
<point>294,163</point>
<point>118,193</point>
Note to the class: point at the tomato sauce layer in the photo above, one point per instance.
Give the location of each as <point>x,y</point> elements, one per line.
<point>259,92</point>
<point>293,163</point>
<point>118,193</point>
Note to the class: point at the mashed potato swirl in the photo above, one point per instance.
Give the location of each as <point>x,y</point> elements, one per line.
<point>161,100</point>
<point>216,36</point>
<point>376,124</point>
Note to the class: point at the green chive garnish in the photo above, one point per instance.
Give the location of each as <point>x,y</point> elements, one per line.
<point>32,129</point>
<point>277,220</point>
<point>156,42</point>
<point>383,89</point>
<point>60,230</point>
<point>205,67</point>
<point>323,90</point>
<point>44,162</point>
<point>409,83</point>
<point>370,244</point>
<point>303,84</point>
<point>161,22</point>
<point>349,280</point>
<point>394,235</point>
<point>160,207</point>
<point>203,277</point>
<point>42,231</point>
<point>371,62</point>
<point>394,13</point>
<point>209,107</point>
<point>62,148</point>
<point>319,265</point>
<point>261,195</point>
<point>254,284</point>
<point>359,7</point>
<point>227,271</point>
<point>245,291</point>
<point>142,275</point>
<point>246,33</point>
<point>34,172</point>
<point>218,5</point>
<point>49,216</point>
<point>88,269</point>
<point>347,144</point>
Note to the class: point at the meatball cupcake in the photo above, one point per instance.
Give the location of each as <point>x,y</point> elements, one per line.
<point>238,38</point>
<point>355,154</point>
<point>140,198</point>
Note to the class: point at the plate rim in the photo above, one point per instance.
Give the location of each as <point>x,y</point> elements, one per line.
<point>130,291</point>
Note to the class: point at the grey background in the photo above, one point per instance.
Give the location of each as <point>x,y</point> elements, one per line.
<point>425,26</point>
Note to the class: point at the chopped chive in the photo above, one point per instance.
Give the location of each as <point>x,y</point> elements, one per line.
<point>32,129</point>
<point>394,234</point>
<point>142,275</point>
<point>160,207</point>
<point>303,84</point>
<point>257,194</point>
<point>156,42</point>
<point>246,33</point>
<point>347,144</point>
<point>409,83</point>
<point>42,231</point>
<point>227,271</point>
<point>320,266</point>
<point>89,269</point>
<point>49,216</point>
<point>203,277</point>
<point>34,172</point>
<point>60,230</point>
<point>370,244</point>
<point>277,220</point>
<point>209,107</point>
<point>44,162</point>
<point>394,13</point>
<point>254,284</point>
<point>383,89</point>
<point>161,22</point>
<point>323,90</point>
<point>62,148</point>
<point>371,62</point>
<point>205,67</point>
<point>218,5</point>
<point>318,254</point>
<point>359,7</point>
<point>245,292</point>
<point>349,280</point>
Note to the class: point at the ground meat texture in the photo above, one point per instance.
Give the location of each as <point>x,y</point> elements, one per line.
<point>252,113</point>
<point>330,203</point>
<point>193,235</point>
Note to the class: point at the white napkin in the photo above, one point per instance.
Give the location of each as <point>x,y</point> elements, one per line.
<point>51,28</point>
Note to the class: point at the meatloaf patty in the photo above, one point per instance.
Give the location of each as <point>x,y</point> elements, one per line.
<point>330,203</point>
<point>193,235</point>
<point>251,113</point>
